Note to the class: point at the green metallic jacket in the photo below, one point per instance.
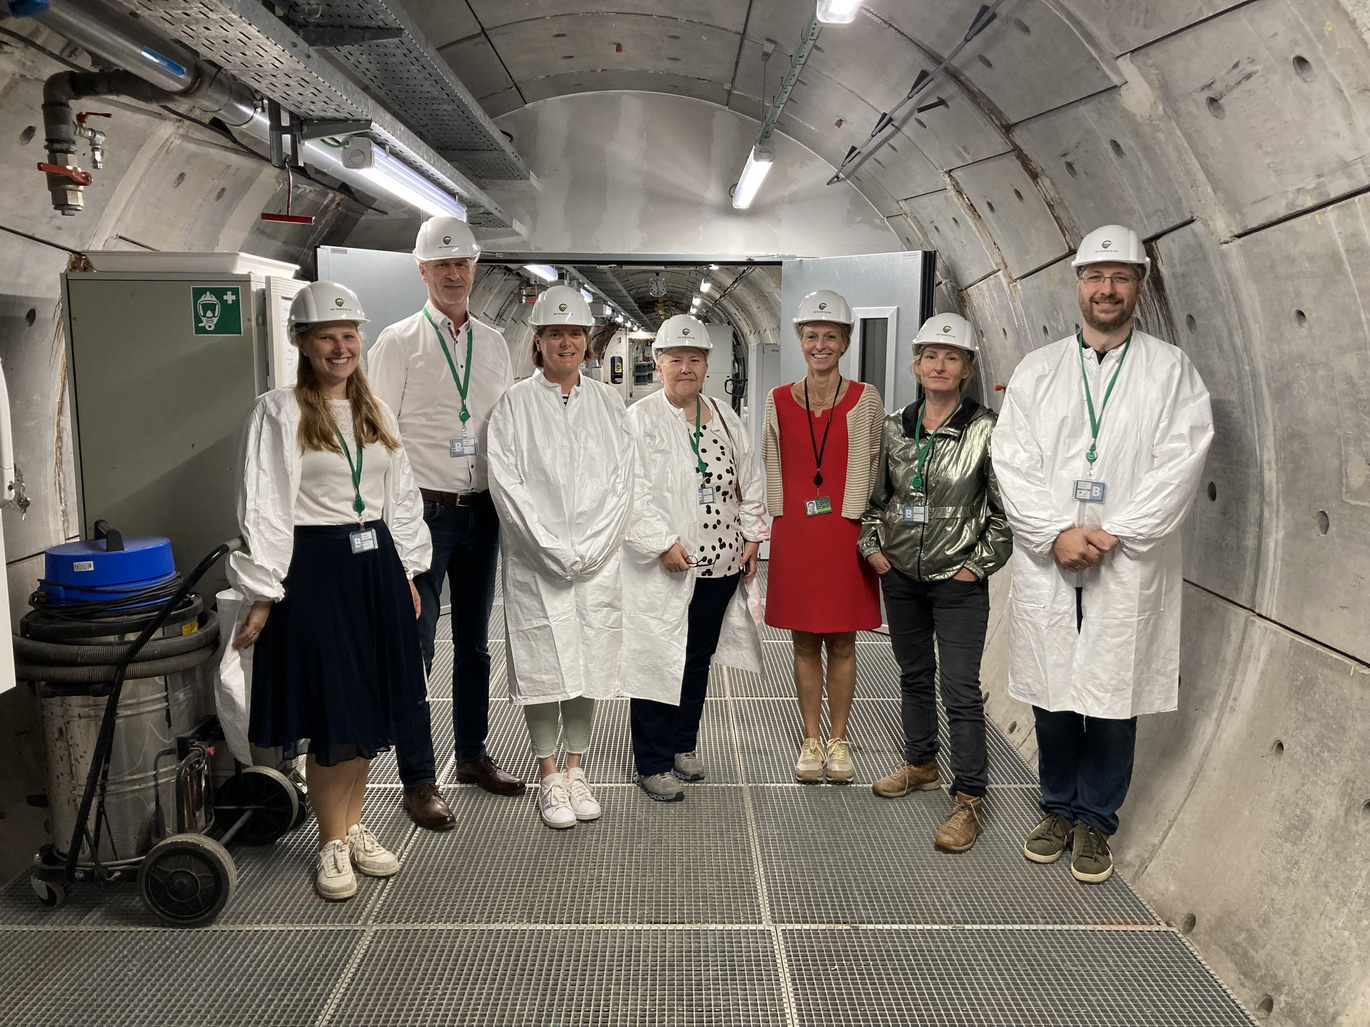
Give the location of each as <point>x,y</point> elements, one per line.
<point>966,523</point>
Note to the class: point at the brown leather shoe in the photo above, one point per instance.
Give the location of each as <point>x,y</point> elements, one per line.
<point>923,777</point>
<point>963,825</point>
<point>428,808</point>
<point>486,772</point>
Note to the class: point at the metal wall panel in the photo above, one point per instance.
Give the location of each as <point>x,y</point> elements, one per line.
<point>1012,209</point>
<point>388,284</point>
<point>956,233</point>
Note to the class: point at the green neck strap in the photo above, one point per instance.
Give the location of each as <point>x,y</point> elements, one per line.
<point>462,384</point>
<point>1095,420</point>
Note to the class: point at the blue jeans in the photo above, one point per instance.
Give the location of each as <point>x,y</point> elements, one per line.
<point>1085,765</point>
<point>465,551</point>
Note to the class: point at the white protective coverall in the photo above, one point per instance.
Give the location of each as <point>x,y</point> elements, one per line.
<point>268,492</point>
<point>666,511</point>
<point>1153,438</point>
<point>561,477</point>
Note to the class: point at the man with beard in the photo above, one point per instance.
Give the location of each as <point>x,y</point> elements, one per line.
<point>1098,452</point>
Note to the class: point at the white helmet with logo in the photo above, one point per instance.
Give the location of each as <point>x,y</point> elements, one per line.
<point>1112,244</point>
<point>823,305</point>
<point>561,305</point>
<point>324,301</point>
<point>444,237</point>
<point>681,330</point>
<point>947,330</point>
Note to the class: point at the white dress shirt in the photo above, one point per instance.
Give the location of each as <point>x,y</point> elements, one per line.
<point>410,374</point>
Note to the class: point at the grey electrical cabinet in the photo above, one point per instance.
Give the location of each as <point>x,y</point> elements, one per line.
<point>162,368</point>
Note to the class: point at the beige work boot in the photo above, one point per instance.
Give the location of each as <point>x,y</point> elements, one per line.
<point>839,766</point>
<point>809,768</point>
<point>963,825</point>
<point>921,777</point>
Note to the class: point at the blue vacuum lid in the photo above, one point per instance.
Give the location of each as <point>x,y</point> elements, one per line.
<point>143,561</point>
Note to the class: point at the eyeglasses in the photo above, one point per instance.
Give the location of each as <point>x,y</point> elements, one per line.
<point>1095,279</point>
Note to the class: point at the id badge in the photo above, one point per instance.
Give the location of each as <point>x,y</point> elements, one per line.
<point>1089,491</point>
<point>706,494</point>
<point>464,446</point>
<point>363,540</point>
<point>817,507</point>
<point>915,514</point>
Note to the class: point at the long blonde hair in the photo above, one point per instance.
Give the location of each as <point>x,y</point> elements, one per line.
<point>316,420</point>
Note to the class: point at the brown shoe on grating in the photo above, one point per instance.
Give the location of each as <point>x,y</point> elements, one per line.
<point>963,825</point>
<point>922,777</point>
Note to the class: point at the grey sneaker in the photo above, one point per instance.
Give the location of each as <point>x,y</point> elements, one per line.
<point>1092,862</point>
<point>661,787</point>
<point>1048,839</point>
<point>688,766</point>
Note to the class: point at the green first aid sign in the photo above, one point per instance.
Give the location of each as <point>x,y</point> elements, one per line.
<point>218,309</point>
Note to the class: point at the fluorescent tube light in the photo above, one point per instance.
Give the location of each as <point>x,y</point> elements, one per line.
<point>544,271</point>
<point>587,294</point>
<point>838,12</point>
<point>758,164</point>
<point>399,179</point>
<point>705,285</point>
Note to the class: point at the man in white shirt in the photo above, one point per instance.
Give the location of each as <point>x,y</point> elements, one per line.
<point>442,372</point>
<point>1098,452</point>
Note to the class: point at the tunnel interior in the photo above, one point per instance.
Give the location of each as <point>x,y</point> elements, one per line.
<point>1233,136</point>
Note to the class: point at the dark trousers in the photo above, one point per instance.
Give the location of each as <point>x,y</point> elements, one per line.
<point>957,613</point>
<point>1084,763</point>
<point>465,551</point>
<point>661,730</point>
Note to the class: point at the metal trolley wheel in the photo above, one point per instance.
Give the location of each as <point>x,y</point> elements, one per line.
<point>187,879</point>
<point>266,794</point>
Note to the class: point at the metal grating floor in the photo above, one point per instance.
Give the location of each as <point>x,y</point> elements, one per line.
<point>756,901</point>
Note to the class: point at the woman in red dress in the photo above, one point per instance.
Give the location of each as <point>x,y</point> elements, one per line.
<point>820,444</point>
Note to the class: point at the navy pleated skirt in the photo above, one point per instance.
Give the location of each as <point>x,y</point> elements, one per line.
<point>337,670</point>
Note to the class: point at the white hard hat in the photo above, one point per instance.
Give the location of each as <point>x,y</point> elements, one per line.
<point>1112,244</point>
<point>444,237</point>
<point>324,301</point>
<point>823,305</point>
<point>561,305</point>
<point>947,330</point>
<point>681,330</point>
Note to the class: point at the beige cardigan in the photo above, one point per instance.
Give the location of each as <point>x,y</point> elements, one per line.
<point>865,421</point>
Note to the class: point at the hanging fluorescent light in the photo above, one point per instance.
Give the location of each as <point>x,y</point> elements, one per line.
<point>705,285</point>
<point>758,165</point>
<point>544,271</point>
<point>713,267</point>
<point>398,178</point>
<point>838,12</point>
<point>587,294</point>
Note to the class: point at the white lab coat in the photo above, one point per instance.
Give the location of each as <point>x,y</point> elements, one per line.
<point>561,478</point>
<point>1154,436</point>
<point>666,511</point>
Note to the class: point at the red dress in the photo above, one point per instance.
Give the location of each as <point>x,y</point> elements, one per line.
<point>817,581</point>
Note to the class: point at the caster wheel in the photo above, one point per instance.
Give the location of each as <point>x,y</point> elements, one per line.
<point>51,894</point>
<point>265,793</point>
<point>303,814</point>
<point>187,879</point>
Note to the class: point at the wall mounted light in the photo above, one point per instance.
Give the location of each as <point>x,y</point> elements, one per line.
<point>758,165</point>
<point>705,285</point>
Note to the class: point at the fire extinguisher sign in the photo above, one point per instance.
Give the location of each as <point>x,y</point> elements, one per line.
<point>218,309</point>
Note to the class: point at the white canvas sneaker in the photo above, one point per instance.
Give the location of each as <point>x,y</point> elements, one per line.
<point>368,855</point>
<point>583,801</point>
<point>335,879</point>
<point>556,802</point>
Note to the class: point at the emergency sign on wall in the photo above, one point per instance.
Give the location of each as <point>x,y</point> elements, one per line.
<point>218,309</point>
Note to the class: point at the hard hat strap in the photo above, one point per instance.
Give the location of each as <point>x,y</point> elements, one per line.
<point>463,385</point>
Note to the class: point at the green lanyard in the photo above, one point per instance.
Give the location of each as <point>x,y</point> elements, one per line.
<point>462,386</point>
<point>356,470</point>
<point>923,449</point>
<point>699,460</point>
<point>1096,420</point>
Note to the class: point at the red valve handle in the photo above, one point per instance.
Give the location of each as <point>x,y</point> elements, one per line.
<point>81,118</point>
<point>75,174</point>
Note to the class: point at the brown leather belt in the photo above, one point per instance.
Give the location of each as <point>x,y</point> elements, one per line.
<point>453,498</point>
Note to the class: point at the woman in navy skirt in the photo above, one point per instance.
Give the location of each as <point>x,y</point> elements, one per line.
<point>335,533</point>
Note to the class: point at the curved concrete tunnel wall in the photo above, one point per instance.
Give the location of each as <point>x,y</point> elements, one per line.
<point>1234,136</point>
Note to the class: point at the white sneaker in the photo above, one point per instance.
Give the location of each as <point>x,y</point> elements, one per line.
<point>556,802</point>
<point>335,879</point>
<point>583,801</point>
<point>368,855</point>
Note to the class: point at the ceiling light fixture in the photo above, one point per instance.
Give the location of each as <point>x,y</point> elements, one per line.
<point>758,166</point>
<point>399,179</point>
<point>705,285</point>
<point>838,12</point>
<point>544,271</point>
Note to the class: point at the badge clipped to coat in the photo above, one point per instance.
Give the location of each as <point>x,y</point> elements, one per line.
<point>1087,490</point>
<point>363,540</point>
<point>706,494</point>
<point>463,446</point>
<point>818,506</point>
<point>914,514</point>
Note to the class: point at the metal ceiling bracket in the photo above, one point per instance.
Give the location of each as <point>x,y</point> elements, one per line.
<point>316,35</point>
<point>329,129</point>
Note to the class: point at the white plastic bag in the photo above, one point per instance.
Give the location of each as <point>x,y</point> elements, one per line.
<point>233,677</point>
